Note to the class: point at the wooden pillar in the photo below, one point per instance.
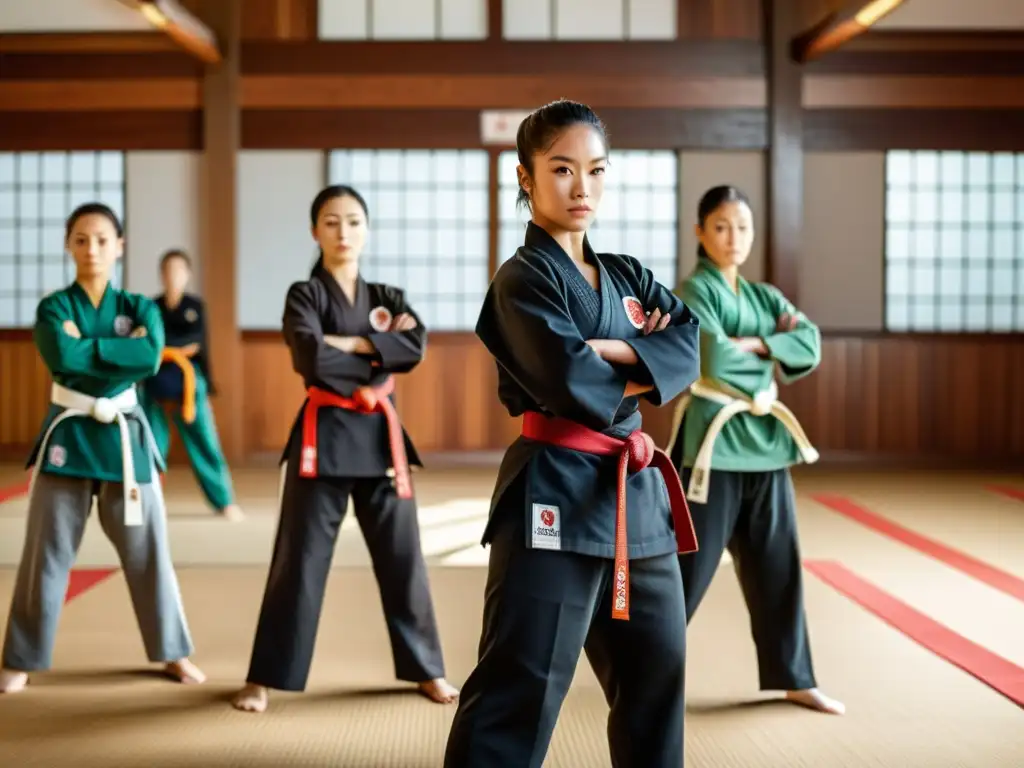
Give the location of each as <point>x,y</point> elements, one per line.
<point>218,221</point>
<point>785,167</point>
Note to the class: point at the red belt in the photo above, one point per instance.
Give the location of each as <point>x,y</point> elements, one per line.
<point>635,453</point>
<point>365,400</point>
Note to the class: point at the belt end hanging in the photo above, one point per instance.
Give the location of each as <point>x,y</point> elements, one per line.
<point>132,505</point>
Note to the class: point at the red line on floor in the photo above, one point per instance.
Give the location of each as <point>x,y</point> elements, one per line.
<point>998,579</point>
<point>993,670</point>
<point>14,491</point>
<point>1006,490</point>
<point>81,580</point>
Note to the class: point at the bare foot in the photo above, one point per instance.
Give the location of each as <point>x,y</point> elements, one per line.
<point>252,698</point>
<point>233,513</point>
<point>439,690</point>
<point>184,671</point>
<point>815,699</point>
<point>12,681</point>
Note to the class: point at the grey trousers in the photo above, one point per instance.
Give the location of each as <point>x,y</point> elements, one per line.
<point>58,509</point>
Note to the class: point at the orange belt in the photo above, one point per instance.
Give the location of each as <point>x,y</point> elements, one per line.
<point>635,453</point>
<point>364,400</point>
<point>188,373</point>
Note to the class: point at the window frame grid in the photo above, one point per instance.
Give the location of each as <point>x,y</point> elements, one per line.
<point>44,219</point>
<point>964,300</point>
<point>435,297</point>
<point>621,222</point>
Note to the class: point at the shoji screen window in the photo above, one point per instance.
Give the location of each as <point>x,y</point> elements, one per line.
<point>954,242</point>
<point>638,216</point>
<point>37,192</point>
<point>428,226</point>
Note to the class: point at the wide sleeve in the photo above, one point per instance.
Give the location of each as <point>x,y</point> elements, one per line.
<point>671,356</point>
<point>721,360</point>
<point>399,351</point>
<point>798,352</point>
<point>136,356</point>
<point>314,359</point>
<point>64,355</point>
<point>526,325</point>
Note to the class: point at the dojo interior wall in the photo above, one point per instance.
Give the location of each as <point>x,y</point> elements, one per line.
<point>937,80</point>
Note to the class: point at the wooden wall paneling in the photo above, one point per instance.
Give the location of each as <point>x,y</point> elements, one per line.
<point>741,129</point>
<point>115,130</point>
<point>719,19</point>
<point>25,386</point>
<point>221,136</point>
<point>853,130</point>
<point>785,165</point>
<point>280,20</point>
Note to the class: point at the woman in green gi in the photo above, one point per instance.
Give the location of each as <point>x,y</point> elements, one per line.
<point>183,384</point>
<point>735,442</point>
<point>97,341</point>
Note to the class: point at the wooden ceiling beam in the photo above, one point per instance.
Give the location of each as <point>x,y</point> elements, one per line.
<point>181,26</point>
<point>852,19</point>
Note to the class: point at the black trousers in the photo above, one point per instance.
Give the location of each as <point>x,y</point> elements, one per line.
<point>753,515</point>
<point>311,514</point>
<point>541,609</point>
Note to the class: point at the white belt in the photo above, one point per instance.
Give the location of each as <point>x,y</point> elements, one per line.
<point>106,411</point>
<point>733,401</point>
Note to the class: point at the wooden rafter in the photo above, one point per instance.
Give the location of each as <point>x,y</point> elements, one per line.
<point>181,25</point>
<point>838,27</point>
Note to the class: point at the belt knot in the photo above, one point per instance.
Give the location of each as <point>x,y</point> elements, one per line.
<point>640,450</point>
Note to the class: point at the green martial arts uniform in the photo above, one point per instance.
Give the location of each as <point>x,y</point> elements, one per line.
<point>95,443</point>
<point>102,363</point>
<point>734,442</point>
<point>185,324</point>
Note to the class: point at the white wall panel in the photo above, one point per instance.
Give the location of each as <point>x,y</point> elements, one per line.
<point>464,19</point>
<point>162,212</point>
<point>589,19</point>
<point>275,247</point>
<point>527,19</point>
<point>956,14</point>
<point>343,20</point>
<point>698,172</point>
<point>651,19</point>
<point>69,16</point>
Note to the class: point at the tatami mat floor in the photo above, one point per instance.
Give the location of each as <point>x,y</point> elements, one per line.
<point>907,706</point>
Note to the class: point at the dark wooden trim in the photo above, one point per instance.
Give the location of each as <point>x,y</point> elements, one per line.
<point>899,92</point>
<point>15,334</point>
<point>495,20</point>
<point>98,66</point>
<point>471,90</point>
<point>931,63</point>
<point>928,40</point>
<point>834,30</point>
<point>116,129</point>
<point>690,58</point>
<point>980,130</point>
<point>85,42</point>
<point>743,129</point>
<point>785,167</point>
<point>161,94</point>
<point>222,117</point>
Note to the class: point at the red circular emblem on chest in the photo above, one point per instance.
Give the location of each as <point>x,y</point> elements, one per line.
<point>380,319</point>
<point>635,312</point>
<point>547,517</point>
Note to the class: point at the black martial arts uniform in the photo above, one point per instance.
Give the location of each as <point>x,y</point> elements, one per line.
<point>351,457</point>
<point>552,526</point>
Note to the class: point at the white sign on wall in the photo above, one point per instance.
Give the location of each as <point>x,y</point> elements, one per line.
<point>499,126</point>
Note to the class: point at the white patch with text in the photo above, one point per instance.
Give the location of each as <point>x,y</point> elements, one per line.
<point>58,456</point>
<point>547,527</point>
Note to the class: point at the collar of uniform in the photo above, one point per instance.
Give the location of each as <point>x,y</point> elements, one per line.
<point>320,273</point>
<point>537,237</point>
